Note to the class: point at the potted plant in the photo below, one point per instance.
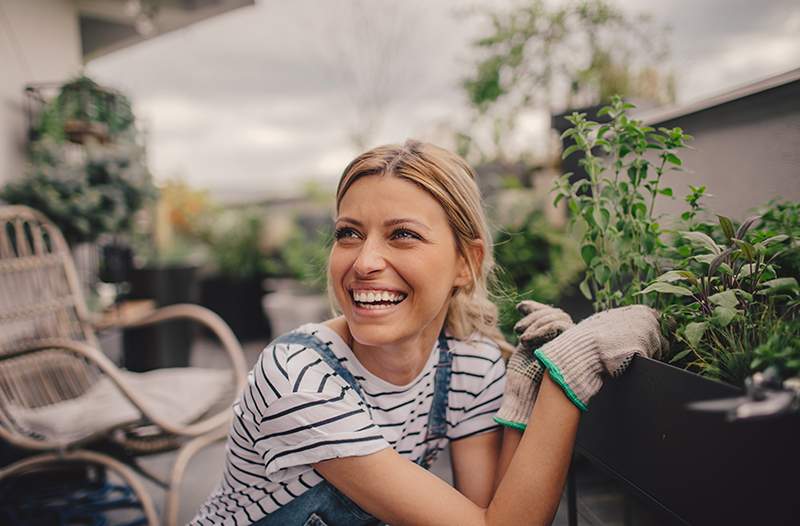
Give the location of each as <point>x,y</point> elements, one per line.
<point>728,310</point>
<point>167,257</point>
<point>89,190</point>
<point>235,289</point>
<point>84,111</point>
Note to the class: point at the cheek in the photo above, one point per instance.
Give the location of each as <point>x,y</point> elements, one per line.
<point>338,264</point>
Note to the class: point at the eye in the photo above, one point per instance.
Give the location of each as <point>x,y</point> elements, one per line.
<point>345,232</point>
<point>404,233</point>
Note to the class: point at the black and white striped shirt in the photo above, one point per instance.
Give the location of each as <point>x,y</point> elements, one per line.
<point>294,412</point>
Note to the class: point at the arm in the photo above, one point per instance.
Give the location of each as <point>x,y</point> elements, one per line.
<point>475,465</point>
<point>511,439</point>
<point>528,493</point>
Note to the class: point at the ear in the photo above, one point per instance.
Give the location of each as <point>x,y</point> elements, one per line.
<point>473,251</point>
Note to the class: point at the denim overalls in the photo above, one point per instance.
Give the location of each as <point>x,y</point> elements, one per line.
<point>324,505</point>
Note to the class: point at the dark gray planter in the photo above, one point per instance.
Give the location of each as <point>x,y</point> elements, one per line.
<point>691,467</point>
<point>169,343</point>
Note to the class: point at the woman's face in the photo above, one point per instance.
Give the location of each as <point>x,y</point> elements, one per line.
<point>394,262</point>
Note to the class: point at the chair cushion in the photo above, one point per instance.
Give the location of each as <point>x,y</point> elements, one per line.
<point>178,395</point>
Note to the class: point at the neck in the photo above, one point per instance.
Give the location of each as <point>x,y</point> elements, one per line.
<point>400,362</point>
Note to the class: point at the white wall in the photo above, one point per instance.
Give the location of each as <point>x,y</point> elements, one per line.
<point>39,42</point>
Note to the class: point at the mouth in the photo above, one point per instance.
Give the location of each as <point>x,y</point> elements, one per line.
<point>376,299</point>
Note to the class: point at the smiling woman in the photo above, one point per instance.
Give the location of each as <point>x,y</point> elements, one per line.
<point>340,420</point>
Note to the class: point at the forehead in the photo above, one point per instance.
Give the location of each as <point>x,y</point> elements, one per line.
<point>382,196</point>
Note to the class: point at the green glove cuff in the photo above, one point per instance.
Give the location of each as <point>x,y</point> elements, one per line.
<point>509,423</point>
<point>558,378</point>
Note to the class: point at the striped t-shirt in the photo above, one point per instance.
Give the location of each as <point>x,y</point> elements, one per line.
<point>294,412</point>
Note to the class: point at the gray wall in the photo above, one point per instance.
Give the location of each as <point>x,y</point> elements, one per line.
<point>41,45</point>
<point>747,152</point>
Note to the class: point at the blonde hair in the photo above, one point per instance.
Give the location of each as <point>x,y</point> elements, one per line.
<point>452,182</point>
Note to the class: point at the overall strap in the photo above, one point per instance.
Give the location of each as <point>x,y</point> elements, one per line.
<point>313,342</point>
<point>437,416</point>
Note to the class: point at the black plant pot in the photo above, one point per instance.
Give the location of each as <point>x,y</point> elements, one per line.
<point>168,343</point>
<point>694,468</point>
<point>238,302</point>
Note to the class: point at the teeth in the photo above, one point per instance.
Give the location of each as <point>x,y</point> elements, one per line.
<point>372,296</point>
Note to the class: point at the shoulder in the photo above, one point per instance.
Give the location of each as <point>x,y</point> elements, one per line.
<point>293,365</point>
<point>477,354</point>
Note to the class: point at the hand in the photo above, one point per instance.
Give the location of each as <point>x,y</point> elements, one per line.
<point>541,323</point>
<point>523,372</point>
<point>605,343</point>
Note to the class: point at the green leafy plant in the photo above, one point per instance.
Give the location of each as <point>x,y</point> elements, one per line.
<point>536,54</point>
<point>728,300</point>
<point>96,194</point>
<point>536,261</point>
<point>621,236</point>
<point>303,257</point>
<point>235,244</point>
<point>84,107</point>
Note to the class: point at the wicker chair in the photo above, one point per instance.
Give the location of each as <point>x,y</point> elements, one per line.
<point>51,366</point>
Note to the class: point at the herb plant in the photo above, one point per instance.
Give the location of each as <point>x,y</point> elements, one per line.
<point>621,240</point>
<point>729,299</point>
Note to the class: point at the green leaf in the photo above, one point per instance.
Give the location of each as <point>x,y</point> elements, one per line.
<point>748,250</point>
<point>676,275</point>
<point>774,239</point>
<point>727,226</point>
<point>588,253</point>
<point>584,288</point>
<point>705,258</point>
<point>779,285</point>
<point>602,273</point>
<point>726,298</point>
<point>570,150</point>
<point>680,355</point>
<point>666,191</point>
<point>724,315</point>
<point>702,240</point>
<point>639,210</point>
<point>746,225</point>
<point>672,158</point>
<point>666,288</point>
<point>601,217</point>
<point>694,332</point>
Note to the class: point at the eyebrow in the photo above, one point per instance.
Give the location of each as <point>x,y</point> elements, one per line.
<point>387,223</point>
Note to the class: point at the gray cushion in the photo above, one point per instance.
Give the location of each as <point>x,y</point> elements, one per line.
<point>179,395</point>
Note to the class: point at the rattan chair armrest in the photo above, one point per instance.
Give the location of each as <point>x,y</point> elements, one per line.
<point>108,368</point>
<point>206,317</point>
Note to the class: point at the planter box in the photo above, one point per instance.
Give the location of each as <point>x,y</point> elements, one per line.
<point>169,343</point>
<point>695,468</point>
<point>238,302</point>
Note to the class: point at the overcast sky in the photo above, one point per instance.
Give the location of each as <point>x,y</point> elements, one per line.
<point>253,103</point>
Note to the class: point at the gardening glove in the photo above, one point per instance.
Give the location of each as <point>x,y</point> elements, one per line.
<point>540,324</point>
<point>523,372</point>
<point>602,344</point>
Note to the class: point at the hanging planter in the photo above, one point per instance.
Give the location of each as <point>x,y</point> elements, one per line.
<point>81,112</point>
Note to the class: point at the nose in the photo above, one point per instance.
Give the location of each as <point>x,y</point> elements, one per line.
<point>370,259</point>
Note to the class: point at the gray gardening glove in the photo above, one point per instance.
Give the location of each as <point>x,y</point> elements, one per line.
<point>540,324</point>
<point>523,372</point>
<point>602,344</point>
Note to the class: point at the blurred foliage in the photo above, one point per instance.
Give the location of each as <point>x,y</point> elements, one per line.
<point>303,257</point>
<point>536,261</point>
<point>84,101</point>
<point>782,350</point>
<point>235,243</point>
<point>175,229</point>
<point>90,189</point>
<point>585,49</point>
<point>95,193</point>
